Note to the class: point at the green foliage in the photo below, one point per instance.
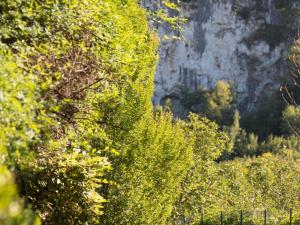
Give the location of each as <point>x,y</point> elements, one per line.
<point>266,118</point>
<point>63,187</point>
<point>79,132</point>
<point>160,157</point>
<point>235,129</point>
<point>277,144</point>
<point>12,211</point>
<point>18,130</point>
<point>18,101</point>
<point>290,92</point>
<point>290,89</point>
<point>198,191</point>
<point>168,12</point>
<point>291,122</point>
<point>268,182</point>
<point>24,138</point>
<point>241,143</point>
<point>89,66</point>
<point>219,102</point>
<point>216,104</point>
<point>86,71</point>
<point>155,159</point>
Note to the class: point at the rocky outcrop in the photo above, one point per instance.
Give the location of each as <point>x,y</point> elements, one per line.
<point>244,42</point>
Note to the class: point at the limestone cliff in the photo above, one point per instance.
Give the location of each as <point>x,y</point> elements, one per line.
<point>242,41</point>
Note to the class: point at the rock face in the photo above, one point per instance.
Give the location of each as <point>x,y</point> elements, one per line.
<point>244,42</point>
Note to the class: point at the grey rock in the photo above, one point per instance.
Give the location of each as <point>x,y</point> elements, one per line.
<point>245,42</point>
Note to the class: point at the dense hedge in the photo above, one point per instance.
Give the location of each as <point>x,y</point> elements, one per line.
<point>81,143</point>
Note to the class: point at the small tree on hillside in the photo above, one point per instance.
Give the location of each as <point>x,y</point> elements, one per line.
<point>291,94</point>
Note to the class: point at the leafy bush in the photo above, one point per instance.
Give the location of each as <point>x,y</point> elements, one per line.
<point>197,190</point>
<point>216,104</point>
<point>277,144</point>
<point>83,77</point>
<point>12,211</point>
<point>268,182</point>
<point>156,160</point>
<point>291,116</point>
<point>266,118</point>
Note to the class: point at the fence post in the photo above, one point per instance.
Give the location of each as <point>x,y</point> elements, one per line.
<point>221,217</point>
<point>265,217</point>
<point>241,219</point>
<point>291,216</point>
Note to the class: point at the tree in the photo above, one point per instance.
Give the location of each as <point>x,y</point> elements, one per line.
<point>290,93</point>
<point>278,144</point>
<point>155,158</point>
<point>253,185</point>
<point>219,103</point>
<point>216,104</point>
<point>198,191</point>
<point>241,143</point>
<point>291,116</point>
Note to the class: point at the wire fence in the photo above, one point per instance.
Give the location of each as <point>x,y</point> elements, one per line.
<point>243,218</point>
